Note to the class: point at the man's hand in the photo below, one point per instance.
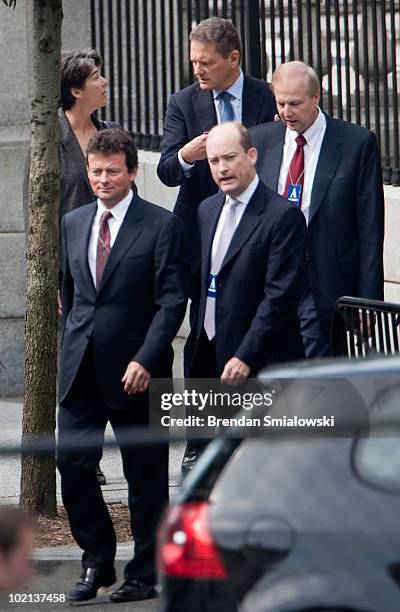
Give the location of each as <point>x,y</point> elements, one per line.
<point>235,372</point>
<point>136,378</point>
<point>195,149</point>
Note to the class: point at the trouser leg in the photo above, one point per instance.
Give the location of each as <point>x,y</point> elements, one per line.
<point>83,418</point>
<point>146,471</point>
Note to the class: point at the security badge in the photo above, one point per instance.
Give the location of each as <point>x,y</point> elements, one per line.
<point>294,194</point>
<point>212,285</point>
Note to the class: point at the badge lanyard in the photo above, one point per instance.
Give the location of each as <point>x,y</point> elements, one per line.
<point>294,188</point>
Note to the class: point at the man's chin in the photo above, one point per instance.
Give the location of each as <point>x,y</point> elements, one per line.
<point>205,85</point>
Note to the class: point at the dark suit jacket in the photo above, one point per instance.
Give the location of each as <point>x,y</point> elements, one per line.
<point>75,188</point>
<point>260,284</point>
<point>139,306</point>
<point>191,112</point>
<point>346,217</point>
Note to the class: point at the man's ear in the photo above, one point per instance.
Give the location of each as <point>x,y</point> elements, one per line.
<point>252,153</point>
<point>235,57</point>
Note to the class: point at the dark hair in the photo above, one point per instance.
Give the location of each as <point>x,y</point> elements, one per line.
<point>219,31</point>
<point>76,66</point>
<point>114,140</point>
<point>12,520</point>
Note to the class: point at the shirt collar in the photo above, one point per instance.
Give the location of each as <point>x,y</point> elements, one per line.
<point>311,135</point>
<point>119,210</point>
<point>246,195</point>
<point>236,89</point>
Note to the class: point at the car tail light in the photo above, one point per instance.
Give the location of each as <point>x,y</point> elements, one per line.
<point>185,545</point>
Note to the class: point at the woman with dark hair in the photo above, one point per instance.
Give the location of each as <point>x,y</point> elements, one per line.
<point>83,91</point>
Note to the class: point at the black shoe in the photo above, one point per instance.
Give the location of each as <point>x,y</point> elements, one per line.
<point>189,459</point>
<point>101,479</point>
<point>133,590</point>
<point>90,581</point>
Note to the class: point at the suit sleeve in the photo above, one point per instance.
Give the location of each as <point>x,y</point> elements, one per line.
<point>370,222</point>
<point>170,294</point>
<point>285,282</point>
<point>169,169</point>
<point>66,281</point>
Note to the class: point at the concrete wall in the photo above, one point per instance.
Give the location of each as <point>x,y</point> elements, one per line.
<point>392,244</point>
<point>15,80</point>
<point>15,87</point>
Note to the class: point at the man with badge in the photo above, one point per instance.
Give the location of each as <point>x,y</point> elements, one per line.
<point>330,169</point>
<point>253,269</point>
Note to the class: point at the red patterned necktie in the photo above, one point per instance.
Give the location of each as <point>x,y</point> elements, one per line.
<point>103,246</point>
<point>296,169</point>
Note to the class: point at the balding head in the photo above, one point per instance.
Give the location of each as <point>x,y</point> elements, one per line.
<point>296,90</point>
<point>231,157</point>
<point>298,71</point>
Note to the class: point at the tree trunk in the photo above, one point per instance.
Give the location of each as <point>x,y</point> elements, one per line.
<point>38,478</point>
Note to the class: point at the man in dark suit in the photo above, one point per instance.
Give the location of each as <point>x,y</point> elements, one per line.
<point>123,300</point>
<point>222,93</point>
<point>253,273</point>
<point>340,190</point>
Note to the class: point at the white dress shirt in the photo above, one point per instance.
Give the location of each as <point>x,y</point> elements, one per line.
<point>236,91</point>
<point>314,137</point>
<point>114,223</point>
<point>244,199</point>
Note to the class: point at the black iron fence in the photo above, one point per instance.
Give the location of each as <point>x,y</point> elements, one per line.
<point>364,328</point>
<point>352,44</point>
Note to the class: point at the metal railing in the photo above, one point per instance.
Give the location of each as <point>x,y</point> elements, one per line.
<point>352,44</point>
<point>364,328</point>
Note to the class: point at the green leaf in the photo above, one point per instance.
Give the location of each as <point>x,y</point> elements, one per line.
<point>10,3</point>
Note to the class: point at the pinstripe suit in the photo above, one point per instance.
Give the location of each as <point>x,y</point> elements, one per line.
<point>260,283</point>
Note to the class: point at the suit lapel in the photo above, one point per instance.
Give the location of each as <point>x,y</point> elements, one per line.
<point>128,232</point>
<point>252,216</point>
<point>205,109</point>
<point>208,231</point>
<point>72,147</point>
<point>272,158</point>
<point>329,158</point>
<point>83,237</point>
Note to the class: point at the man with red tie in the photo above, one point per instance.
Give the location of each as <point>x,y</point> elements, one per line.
<point>331,170</point>
<point>123,299</point>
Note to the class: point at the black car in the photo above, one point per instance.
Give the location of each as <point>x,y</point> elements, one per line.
<point>279,523</point>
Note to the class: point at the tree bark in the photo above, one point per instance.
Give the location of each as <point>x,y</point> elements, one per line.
<point>38,477</point>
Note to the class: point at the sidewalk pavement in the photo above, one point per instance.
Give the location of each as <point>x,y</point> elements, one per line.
<point>59,567</point>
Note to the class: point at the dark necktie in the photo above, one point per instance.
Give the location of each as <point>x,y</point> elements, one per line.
<point>296,169</point>
<point>227,109</point>
<point>103,246</point>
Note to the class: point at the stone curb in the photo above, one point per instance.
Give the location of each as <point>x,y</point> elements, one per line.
<point>58,568</point>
